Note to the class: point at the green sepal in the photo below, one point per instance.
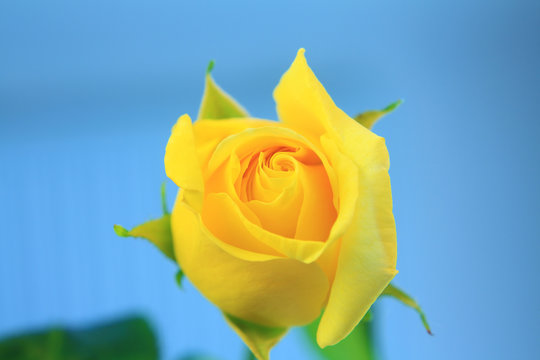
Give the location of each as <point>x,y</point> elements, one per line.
<point>407,300</point>
<point>157,231</point>
<point>258,338</point>
<point>164,206</point>
<point>357,345</point>
<point>179,277</point>
<point>216,103</point>
<point>369,118</point>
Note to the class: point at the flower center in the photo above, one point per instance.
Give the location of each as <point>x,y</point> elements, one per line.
<point>277,182</point>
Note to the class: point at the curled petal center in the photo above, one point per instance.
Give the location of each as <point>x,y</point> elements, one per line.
<point>277,182</point>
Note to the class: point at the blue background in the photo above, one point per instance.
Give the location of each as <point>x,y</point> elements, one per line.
<point>90,89</point>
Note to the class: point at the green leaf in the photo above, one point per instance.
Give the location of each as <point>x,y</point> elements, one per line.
<point>400,295</point>
<point>128,339</point>
<point>249,355</point>
<point>216,103</point>
<point>197,357</point>
<point>157,231</point>
<point>357,345</point>
<point>369,118</point>
<point>258,338</point>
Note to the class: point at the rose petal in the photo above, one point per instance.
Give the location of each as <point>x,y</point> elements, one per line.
<point>367,260</point>
<point>367,257</point>
<point>181,163</point>
<point>302,102</point>
<point>209,133</point>
<point>224,220</point>
<point>301,250</point>
<point>317,214</point>
<point>279,215</point>
<point>282,292</point>
<point>305,250</point>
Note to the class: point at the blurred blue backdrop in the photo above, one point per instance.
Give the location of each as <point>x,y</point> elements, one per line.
<point>90,89</point>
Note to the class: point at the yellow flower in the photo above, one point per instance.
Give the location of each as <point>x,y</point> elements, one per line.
<point>278,221</point>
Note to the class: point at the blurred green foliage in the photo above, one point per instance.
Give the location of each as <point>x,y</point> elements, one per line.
<point>359,344</point>
<point>126,339</point>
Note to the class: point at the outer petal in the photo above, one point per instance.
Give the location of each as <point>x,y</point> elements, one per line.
<point>367,259</point>
<point>367,256</point>
<point>181,163</point>
<point>182,167</point>
<point>281,292</point>
<point>209,133</point>
<point>303,103</point>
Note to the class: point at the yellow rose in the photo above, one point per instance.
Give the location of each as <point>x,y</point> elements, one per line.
<point>278,221</point>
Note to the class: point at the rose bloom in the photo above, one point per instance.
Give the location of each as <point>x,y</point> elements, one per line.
<point>277,222</point>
